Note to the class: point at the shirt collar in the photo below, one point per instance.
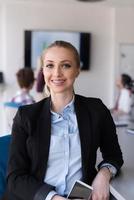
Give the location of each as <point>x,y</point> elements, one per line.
<point>68,108</point>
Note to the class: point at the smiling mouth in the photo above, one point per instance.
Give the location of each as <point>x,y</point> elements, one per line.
<point>58,82</point>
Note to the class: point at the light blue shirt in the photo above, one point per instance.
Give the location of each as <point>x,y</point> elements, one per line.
<point>64,163</point>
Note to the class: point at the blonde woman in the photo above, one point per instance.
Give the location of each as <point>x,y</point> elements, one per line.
<point>55,141</point>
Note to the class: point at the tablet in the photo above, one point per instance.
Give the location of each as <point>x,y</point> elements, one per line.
<point>80,190</point>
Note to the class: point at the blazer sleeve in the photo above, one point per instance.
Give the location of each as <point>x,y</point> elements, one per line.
<point>21,182</point>
<point>109,145</point>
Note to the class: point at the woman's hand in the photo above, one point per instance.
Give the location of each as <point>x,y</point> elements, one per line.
<point>101,185</point>
<point>57,197</point>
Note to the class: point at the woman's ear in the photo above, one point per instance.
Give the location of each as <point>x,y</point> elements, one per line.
<point>78,72</point>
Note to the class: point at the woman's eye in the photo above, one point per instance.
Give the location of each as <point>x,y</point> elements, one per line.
<point>49,65</point>
<point>66,65</point>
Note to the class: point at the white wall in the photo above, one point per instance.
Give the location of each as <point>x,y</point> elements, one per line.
<point>124,25</point>
<point>124,30</point>
<point>97,20</point>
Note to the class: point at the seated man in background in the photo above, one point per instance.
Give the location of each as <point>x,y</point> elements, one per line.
<point>25,79</point>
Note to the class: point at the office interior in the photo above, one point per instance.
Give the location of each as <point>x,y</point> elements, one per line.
<point>110,23</point>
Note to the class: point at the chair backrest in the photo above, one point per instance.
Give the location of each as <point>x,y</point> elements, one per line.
<point>4,152</point>
<point>10,111</point>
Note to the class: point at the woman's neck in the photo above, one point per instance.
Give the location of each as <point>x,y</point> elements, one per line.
<point>59,101</point>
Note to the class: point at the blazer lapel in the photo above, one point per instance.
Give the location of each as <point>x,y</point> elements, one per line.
<point>44,134</point>
<point>84,125</point>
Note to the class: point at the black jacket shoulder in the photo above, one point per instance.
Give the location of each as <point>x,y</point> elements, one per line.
<point>92,102</point>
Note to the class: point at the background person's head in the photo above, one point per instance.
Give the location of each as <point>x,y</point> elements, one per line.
<point>61,66</point>
<point>25,78</point>
<point>124,81</point>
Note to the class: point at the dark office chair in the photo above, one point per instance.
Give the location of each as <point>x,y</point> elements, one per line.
<point>4,152</point>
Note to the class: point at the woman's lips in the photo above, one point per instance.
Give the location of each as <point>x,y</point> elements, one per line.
<point>58,82</point>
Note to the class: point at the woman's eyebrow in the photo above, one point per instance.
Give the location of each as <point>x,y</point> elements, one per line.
<point>66,61</point>
<point>49,61</point>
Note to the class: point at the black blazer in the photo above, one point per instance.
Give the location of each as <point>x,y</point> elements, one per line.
<point>31,141</point>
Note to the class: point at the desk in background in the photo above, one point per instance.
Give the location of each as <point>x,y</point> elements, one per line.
<point>124,183</point>
<point>122,187</point>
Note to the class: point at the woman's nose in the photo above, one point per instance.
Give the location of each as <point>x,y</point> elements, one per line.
<point>57,71</point>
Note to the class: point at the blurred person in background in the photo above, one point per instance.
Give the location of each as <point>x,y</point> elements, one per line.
<point>123,101</point>
<point>25,80</point>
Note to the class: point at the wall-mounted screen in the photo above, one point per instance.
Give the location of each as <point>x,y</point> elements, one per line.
<point>37,40</point>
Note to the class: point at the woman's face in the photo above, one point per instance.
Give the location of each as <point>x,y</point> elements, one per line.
<point>60,69</point>
<point>119,82</point>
